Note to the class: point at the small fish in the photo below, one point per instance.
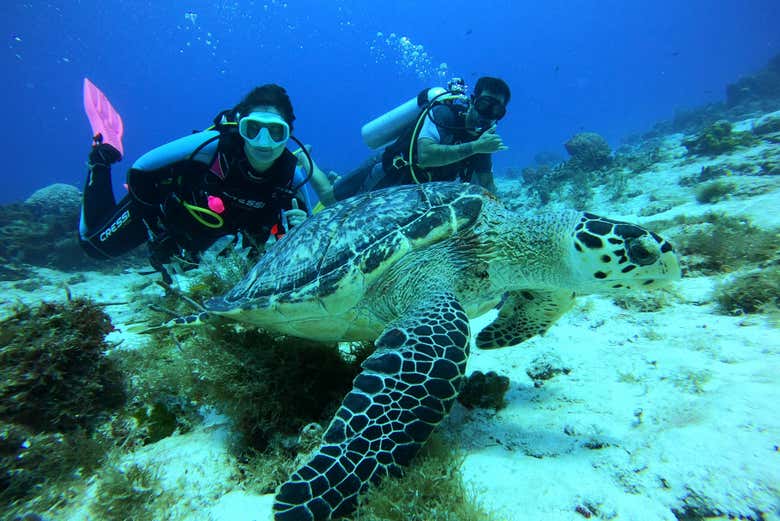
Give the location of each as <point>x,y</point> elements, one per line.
<point>468,32</point>
<point>192,16</point>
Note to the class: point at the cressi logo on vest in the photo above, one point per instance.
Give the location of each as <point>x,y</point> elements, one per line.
<point>249,203</point>
<point>108,232</point>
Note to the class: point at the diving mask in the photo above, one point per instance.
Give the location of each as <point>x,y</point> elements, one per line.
<point>264,130</point>
<point>489,107</point>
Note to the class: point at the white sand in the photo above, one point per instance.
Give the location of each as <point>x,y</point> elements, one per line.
<point>677,404</point>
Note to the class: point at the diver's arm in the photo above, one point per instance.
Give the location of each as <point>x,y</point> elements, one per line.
<point>431,154</point>
<point>322,186</point>
<point>319,180</point>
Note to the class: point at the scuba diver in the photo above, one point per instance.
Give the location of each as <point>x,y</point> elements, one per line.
<point>452,137</point>
<point>236,176</point>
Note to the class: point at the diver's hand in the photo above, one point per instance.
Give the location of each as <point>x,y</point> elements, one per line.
<point>489,142</point>
<point>104,154</point>
<point>295,216</point>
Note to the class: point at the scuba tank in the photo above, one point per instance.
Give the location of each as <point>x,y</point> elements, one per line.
<point>386,128</point>
<point>400,156</point>
<point>396,132</point>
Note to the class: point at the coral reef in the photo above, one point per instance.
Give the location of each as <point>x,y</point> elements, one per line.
<point>564,181</point>
<point>545,367</point>
<point>691,120</point>
<point>591,165</point>
<point>54,374</point>
<point>638,158</point>
<point>749,95</point>
<point>757,291</point>
<point>707,173</point>
<point>126,493</point>
<point>759,91</point>
<point>714,191</point>
<point>56,199</point>
<point>643,302</point>
<point>532,175</point>
<point>56,385</point>
<point>588,151</point>
<point>719,243</point>
<point>717,139</point>
<point>548,158</point>
<point>162,417</point>
<point>29,461</point>
<point>768,124</point>
<point>484,390</point>
<point>271,386</point>
<point>221,267</point>
<point>432,488</point>
<point>43,232</point>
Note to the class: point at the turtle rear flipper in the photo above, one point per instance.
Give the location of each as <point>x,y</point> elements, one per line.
<point>524,314</point>
<point>406,388</point>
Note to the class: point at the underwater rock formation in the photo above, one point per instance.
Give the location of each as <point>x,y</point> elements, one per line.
<point>757,89</point>
<point>545,367</point>
<point>746,97</point>
<point>55,199</point>
<point>484,390</point>
<point>768,124</point>
<point>548,158</point>
<point>43,231</point>
<point>717,139</point>
<point>589,151</point>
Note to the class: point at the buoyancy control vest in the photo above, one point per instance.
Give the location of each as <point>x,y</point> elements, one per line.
<point>177,183</point>
<point>402,168</point>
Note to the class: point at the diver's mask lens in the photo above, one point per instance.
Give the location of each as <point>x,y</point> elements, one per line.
<point>264,129</point>
<point>489,107</point>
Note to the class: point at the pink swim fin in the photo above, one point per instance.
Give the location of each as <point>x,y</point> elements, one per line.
<point>103,118</point>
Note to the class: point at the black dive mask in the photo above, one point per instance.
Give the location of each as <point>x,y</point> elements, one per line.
<point>489,108</point>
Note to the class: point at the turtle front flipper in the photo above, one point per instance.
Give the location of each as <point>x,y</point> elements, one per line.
<point>524,314</point>
<point>406,388</point>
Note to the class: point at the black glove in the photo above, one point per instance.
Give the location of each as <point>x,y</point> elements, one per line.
<point>104,155</point>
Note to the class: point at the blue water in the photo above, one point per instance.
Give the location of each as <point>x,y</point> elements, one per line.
<point>613,67</point>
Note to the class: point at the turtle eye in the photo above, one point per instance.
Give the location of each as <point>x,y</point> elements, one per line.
<point>640,252</point>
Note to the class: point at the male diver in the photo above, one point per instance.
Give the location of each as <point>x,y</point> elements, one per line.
<point>454,141</point>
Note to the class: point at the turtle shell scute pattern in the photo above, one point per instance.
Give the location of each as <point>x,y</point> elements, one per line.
<point>363,232</point>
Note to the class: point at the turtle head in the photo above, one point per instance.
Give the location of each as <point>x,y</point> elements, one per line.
<point>613,256</point>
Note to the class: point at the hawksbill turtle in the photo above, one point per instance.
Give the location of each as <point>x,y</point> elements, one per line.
<point>406,267</point>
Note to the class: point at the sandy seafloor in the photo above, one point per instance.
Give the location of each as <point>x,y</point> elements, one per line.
<point>659,409</point>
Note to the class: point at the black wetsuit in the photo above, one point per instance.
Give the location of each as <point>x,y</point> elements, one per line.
<point>378,172</point>
<point>154,210</point>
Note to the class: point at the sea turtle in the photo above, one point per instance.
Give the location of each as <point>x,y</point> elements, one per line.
<point>406,267</point>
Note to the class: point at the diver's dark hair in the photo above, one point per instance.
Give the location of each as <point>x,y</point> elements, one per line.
<point>271,95</point>
<point>494,85</point>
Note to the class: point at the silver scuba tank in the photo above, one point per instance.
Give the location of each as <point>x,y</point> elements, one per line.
<point>385,129</point>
